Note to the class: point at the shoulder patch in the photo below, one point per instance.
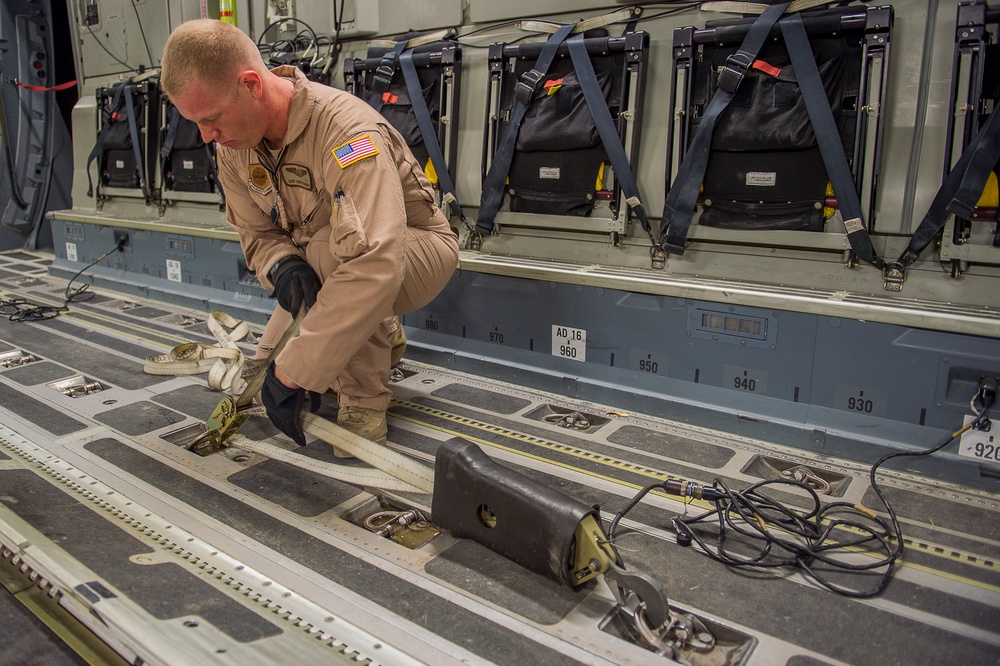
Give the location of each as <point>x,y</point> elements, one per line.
<point>355,150</point>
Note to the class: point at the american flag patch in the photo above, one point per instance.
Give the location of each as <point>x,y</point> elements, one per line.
<point>352,151</point>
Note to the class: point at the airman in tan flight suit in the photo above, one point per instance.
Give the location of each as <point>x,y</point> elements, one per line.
<point>332,211</point>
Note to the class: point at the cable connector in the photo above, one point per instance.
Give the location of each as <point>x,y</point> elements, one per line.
<point>121,240</point>
<point>987,393</point>
<point>692,489</point>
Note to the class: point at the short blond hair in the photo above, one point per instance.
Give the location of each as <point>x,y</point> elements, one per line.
<point>208,51</point>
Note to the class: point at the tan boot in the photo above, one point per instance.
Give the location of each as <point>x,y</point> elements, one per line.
<point>398,347</point>
<point>367,423</point>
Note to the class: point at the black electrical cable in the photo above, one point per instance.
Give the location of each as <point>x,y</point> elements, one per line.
<point>797,538</point>
<point>338,24</point>
<point>333,53</point>
<point>313,41</point>
<point>116,58</point>
<point>987,401</point>
<point>143,33</point>
<point>20,310</point>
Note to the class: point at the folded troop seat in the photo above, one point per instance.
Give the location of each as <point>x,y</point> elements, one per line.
<point>187,164</point>
<point>971,235</point>
<point>124,150</point>
<point>776,127</point>
<point>562,131</point>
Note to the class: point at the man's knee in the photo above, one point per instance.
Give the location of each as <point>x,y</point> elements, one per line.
<point>431,260</point>
<point>273,331</point>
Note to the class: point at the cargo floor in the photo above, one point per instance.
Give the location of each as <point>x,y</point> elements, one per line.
<point>172,557</point>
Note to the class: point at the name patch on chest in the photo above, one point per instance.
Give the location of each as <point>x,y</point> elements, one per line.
<point>354,151</point>
<point>296,175</point>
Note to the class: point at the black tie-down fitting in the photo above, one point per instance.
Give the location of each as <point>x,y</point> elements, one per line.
<point>538,527</point>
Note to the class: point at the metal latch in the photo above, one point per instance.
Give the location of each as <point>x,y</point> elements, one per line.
<point>408,527</point>
<point>16,358</point>
<point>658,257</point>
<point>78,386</point>
<point>894,274</point>
<point>807,477</point>
<point>475,241</point>
<point>224,422</point>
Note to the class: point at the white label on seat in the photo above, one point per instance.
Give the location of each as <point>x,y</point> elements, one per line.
<point>549,173</point>
<point>762,178</point>
<point>71,251</point>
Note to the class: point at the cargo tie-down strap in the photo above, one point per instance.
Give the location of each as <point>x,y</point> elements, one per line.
<point>404,474</point>
<point>227,367</point>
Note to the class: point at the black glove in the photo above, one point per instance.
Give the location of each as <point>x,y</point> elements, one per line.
<point>283,405</point>
<point>295,283</point>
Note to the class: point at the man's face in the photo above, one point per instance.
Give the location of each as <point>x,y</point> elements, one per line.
<point>224,116</point>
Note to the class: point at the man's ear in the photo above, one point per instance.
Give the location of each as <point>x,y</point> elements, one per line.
<point>251,81</point>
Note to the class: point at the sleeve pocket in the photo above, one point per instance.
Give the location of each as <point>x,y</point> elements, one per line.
<point>348,235</point>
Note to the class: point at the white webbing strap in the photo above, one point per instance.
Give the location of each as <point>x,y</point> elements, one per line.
<point>405,469</point>
<point>392,470</point>
<point>224,361</point>
<point>548,27</point>
<point>739,7</point>
<point>226,373</point>
<point>357,476</point>
<point>411,43</point>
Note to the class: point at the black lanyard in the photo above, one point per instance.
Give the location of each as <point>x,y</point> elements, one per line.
<point>266,157</point>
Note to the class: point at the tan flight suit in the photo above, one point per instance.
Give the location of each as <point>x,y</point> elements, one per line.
<point>351,199</point>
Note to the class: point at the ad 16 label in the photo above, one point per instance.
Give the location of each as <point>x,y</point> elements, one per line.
<point>569,342</point>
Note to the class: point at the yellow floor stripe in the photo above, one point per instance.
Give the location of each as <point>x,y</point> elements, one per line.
<point>951,576</point>
<point>537,441</point>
